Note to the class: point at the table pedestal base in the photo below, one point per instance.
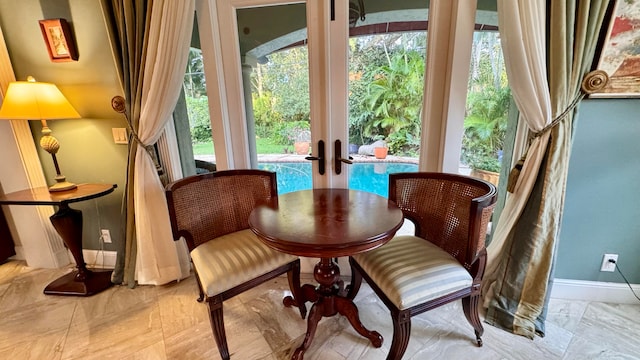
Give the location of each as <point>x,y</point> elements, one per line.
<point>68,284</point>
<point>68,224</point>
<point>82,281</point>
<point>328,300</point>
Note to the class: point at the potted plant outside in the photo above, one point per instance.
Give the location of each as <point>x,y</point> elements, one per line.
<point>380,152</point>
<point>485,166</point>
<point>380,147</point>
<point>301,148</point>
<point>299,134</point>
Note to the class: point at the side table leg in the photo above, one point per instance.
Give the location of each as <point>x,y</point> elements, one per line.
<point>348,309</point>
<point>82,281</point>
<point>315,315</point>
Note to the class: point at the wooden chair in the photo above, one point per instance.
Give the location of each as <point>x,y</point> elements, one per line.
<point>444,260</point>
<point>211,212</point>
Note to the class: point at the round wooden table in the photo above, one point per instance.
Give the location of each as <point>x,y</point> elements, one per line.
<point>327,223</point>
<point>68,224</point>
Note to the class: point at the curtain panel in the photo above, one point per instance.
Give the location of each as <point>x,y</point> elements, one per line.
<point>152,45</point>
<point>159,260</point>
<point>521,255</point>
<point>129,21</point>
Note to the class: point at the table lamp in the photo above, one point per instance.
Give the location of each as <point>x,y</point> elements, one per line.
<point>31,100</point>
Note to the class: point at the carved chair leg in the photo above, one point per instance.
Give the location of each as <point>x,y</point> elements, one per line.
<point>401,333</point>
<point>217,325</point>
<point>294,284</point>
<point>470,307</point>
<point>356,281</point>
<point>200,291</point>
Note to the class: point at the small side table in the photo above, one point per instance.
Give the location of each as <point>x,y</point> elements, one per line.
<point>327,223</point>
<point>68,224</point>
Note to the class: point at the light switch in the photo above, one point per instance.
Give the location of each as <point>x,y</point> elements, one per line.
<point>119,135</point>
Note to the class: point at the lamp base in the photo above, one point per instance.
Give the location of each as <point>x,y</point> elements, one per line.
<point>62,185</point>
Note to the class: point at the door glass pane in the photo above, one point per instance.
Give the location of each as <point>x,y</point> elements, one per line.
<point>191,117</point>
<point>276,70</point>
<point>386,80</point>
<point>487,108</point>
<point>197,104</point>
<point>489,128</point>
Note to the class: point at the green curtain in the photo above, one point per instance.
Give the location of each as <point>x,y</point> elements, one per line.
<point>129,22</point>
<point>525,270</point>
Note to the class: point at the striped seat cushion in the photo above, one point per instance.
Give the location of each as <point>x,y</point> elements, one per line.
<point>411,271</point>
<point>233,259</point>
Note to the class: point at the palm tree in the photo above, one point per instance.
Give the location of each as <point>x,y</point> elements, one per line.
<point>394,96</point>
<point>485,126</point>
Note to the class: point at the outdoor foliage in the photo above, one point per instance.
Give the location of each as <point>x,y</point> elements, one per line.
<point>485,127</point>
<point>488,101</point>
<point>386,81</point>
<point>200,124</point>
<point>363,60</point>
<point>395,98</point>
<point>194,80</point>
<point>385,85</point>
<point>196,97</point>
<point>267,118</point>
<point>280,91</point>
<point>287,133</point>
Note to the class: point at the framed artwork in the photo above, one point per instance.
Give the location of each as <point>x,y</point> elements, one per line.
<point>59,40</point>
<point>620,56</point>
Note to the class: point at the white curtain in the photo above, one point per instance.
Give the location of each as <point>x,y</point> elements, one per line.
<point>522,32</point>
<point>159,259</point>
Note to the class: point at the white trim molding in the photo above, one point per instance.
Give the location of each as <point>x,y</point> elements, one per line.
<point>618,293</point>
<point>449,42</point>
<point>99,259</point>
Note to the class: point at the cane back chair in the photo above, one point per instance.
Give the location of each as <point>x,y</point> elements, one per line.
<point>211,212</point>
<point>444,260</point>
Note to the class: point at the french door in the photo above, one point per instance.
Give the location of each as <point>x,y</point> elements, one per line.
<point>238,37</point>
<point>318,30</point>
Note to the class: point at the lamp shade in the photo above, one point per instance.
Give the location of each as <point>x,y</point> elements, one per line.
<point>31,100</point>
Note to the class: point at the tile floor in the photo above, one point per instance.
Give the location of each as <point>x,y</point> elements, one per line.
<point>166,322</point>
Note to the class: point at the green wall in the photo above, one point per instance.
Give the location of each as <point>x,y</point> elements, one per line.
<point>87,153</point>
<point>602,207</point>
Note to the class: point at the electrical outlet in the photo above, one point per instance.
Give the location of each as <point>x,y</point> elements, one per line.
<point>106,236</point>
<point>607,265</point>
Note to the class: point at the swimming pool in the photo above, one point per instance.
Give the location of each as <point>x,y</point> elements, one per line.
<point>371,177</point>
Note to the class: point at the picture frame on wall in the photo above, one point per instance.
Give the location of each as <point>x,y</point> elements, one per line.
<point>620,55</point>
<point>59,40</point>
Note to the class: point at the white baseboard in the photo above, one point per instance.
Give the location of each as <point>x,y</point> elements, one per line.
<point>618,293</point>
<point>60,258</point>
<point>99,259</point>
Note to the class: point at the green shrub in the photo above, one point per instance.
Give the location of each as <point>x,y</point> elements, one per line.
<point>483,161</point>
<point>199,121</point>
<point>287,133</point>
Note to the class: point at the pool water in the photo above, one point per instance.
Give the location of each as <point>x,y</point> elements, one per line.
<point>371,177</point>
